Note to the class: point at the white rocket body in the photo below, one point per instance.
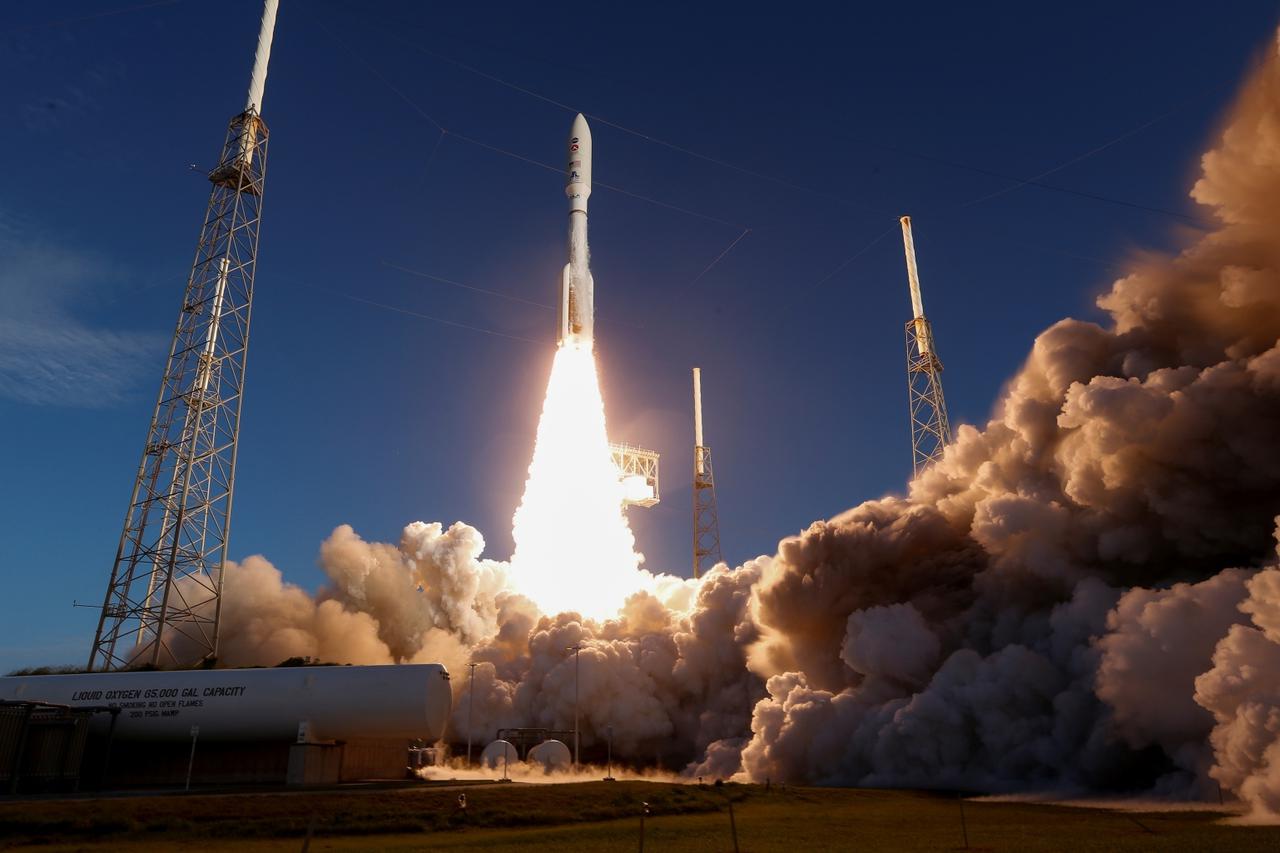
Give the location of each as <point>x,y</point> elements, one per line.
<point>577,289</point>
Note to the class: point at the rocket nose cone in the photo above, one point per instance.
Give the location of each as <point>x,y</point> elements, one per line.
<point>581,130</point>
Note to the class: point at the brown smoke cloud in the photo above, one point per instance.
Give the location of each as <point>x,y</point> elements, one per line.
<point>667,676</point>
<point>1157,643</point>
<point>1122,460</point>
<point>266,620</point>
<point>1019,620</point>
<point>1242,691</point>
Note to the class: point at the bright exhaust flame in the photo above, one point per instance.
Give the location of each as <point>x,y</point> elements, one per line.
<point>574,550</point>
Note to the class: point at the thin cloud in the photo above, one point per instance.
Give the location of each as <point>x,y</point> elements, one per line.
<point>49,356</point>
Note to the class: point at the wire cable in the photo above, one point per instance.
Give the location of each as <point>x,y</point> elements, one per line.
<point>418,314</point>
<point>471,287</point>
<point>720,257</point>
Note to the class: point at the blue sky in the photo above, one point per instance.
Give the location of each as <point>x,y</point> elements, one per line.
<point>812,126</point>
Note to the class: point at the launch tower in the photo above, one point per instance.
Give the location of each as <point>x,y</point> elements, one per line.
<point>706,522</point>
<point>930,429</point>
<point>164,598</point>
<point>638,473</point>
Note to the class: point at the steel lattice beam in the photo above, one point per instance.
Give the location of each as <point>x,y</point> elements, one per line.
<point>706,520</point>
<point>637,462</point>
<point>164,598</point>
<point>930,428</point>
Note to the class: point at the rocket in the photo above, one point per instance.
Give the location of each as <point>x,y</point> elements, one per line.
<point>577,289</point>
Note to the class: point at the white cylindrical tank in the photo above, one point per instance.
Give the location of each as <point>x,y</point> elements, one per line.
<point>493,755</point>
<point>551,755</point>
<point>316,703</point>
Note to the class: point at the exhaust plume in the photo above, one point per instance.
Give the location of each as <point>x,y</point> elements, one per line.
<point>574,548</point>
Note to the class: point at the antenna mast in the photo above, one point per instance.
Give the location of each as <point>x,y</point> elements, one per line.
<point>164,598</point>
<point>930,428</point>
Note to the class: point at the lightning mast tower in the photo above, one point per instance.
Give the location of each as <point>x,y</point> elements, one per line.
<point>706,522</point>
<point>930,429</point>
<point>164,598</point>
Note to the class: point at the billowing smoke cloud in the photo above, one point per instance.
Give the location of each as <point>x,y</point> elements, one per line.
<point>1033,564</point>
<point>667,677</point>
<point>265,619</point>
<point>1077,596</point>
<point>1159,641</point>
<point>1242,691</point>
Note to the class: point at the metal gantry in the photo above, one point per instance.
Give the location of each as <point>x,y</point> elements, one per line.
<point>930,431</point>
<point>638,467</point>
<point>930,428</point>
<point>706,521</point>
<point>164,597</point>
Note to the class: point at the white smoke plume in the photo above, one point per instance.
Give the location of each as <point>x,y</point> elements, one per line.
<point>1076,597</point>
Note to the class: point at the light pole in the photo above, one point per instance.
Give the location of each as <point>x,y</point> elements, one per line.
<point>576,648</point>
<point>608,774</point>
<point>471,706</point>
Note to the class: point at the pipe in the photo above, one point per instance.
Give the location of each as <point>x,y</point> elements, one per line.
<point>913,279</point>
<point>697,418</point>
<point>697,406</point>
<point>258,80</point>
<point>913,275</point>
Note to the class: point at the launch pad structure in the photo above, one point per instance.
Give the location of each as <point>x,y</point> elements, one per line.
<point>706,520</point>
<point>166,582</point>
<point>930,427</point>
<point>638,468</point>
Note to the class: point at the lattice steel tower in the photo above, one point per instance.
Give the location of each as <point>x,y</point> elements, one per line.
<point>930,429</point>
<point>706,523</point>
<point>164,598</point>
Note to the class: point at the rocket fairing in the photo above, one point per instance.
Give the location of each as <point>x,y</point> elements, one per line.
<point>576,285</point>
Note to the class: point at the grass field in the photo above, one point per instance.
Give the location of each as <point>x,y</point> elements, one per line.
<point>600,816</point>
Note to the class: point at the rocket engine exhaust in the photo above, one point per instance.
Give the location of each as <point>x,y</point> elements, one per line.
<point>577,289</point>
